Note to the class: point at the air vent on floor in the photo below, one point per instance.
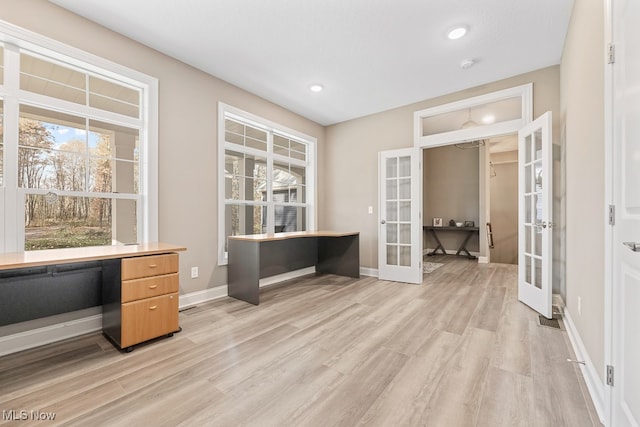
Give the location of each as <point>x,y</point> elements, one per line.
<point>549,323</point>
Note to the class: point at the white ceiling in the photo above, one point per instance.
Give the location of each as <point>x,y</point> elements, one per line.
<point>370,55</point>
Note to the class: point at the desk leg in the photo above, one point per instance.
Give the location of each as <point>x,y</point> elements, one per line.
<point>339,255</point>
<point>439,246</point>
<point>243,271</point>
<point>463,246</point>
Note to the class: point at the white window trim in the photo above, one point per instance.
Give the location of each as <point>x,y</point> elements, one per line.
<point>16,38</point>
<point>311,169</point>
<point>525,92</point>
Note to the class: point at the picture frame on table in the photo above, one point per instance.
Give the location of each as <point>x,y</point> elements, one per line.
<point>437,222</point>
<point>469,224</point>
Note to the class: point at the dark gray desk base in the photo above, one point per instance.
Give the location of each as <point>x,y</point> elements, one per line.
<point>35,292</point>
<point>250,261</point>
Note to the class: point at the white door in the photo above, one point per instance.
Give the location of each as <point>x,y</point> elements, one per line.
<point>400,204</point>
<point>535,216</point>
<point>625,292</point>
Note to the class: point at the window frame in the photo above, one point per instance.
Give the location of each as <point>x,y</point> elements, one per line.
<point>524,92</point>
<point>16,40</point>
<point>226,111</point>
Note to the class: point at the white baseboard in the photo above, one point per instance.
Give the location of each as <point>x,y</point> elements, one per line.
<point>589,372</point>
<point>272,280</point>
<point>48,334</point>
<point>365,271</point>
<point>199,297</point>
<point>483,260</point>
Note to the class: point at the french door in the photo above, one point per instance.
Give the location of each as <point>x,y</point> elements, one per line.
<point>400,227</point>
<point>535,214</point>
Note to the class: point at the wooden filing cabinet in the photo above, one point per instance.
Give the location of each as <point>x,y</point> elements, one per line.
<point>146,304</point>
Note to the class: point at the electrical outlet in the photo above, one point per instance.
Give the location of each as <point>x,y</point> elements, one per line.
<point>579,306</point>
<point>194,272</point>
<point>370,210</point>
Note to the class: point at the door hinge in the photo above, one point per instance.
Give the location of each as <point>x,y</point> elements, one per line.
<point>611,53</point>
<point>612,215</point>
<point>610,375</point>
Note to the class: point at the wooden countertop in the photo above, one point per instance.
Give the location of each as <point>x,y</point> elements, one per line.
<point>69,255</point>
<point>292,235</point>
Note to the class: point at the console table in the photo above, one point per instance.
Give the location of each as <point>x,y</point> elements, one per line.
<point>257,256</point>
<point>137,286</point>
<point>470,231</point>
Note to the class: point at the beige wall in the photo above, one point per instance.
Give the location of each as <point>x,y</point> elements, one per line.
<point>350,185</point>
<point>582,109</point>
<point>504,207</point>
<point>188,172</point>
<point>451,191</point>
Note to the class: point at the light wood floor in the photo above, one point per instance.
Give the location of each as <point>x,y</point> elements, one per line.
<point>458,350</point>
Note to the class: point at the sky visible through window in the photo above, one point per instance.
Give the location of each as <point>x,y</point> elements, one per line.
<point>62,134</point>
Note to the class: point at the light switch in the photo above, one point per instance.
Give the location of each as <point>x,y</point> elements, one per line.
<point>370,210</point>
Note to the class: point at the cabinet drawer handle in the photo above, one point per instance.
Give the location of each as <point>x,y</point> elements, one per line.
<point>153,265</point>
<point>153,307</point>
<point>153,286</point>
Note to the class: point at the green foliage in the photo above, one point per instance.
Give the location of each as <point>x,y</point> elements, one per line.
<point>69,236</point>
<point>67,167</point>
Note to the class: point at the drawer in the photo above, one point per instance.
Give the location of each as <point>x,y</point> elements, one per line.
<point>145,266</point>
<point>136,289</point>
<point>149,318</point>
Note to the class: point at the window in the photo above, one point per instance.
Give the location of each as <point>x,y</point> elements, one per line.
<point>77,143</point>
<point>467,120</point>
<point>89,170</point>
<point>267,175</point>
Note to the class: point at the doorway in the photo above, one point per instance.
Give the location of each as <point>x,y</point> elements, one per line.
<point>502,209</point>
<point>452,194</point>
<point>451,198</point>
<point>471,121</point>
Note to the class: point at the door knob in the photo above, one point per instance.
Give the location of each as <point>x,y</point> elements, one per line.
<point>383,222</point>
<point>635,247</point>
<point>542,224</point>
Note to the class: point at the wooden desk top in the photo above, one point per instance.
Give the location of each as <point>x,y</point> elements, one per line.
<point>292,235</point>
<point>69,255</point>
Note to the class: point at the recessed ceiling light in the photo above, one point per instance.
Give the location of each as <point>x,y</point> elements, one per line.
<point>457,32</point>
<point>316,88</point>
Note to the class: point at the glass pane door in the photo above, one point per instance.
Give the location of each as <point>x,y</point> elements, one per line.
<point>534,287</point>
<point>399,244</point>
<point>398,207</point>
